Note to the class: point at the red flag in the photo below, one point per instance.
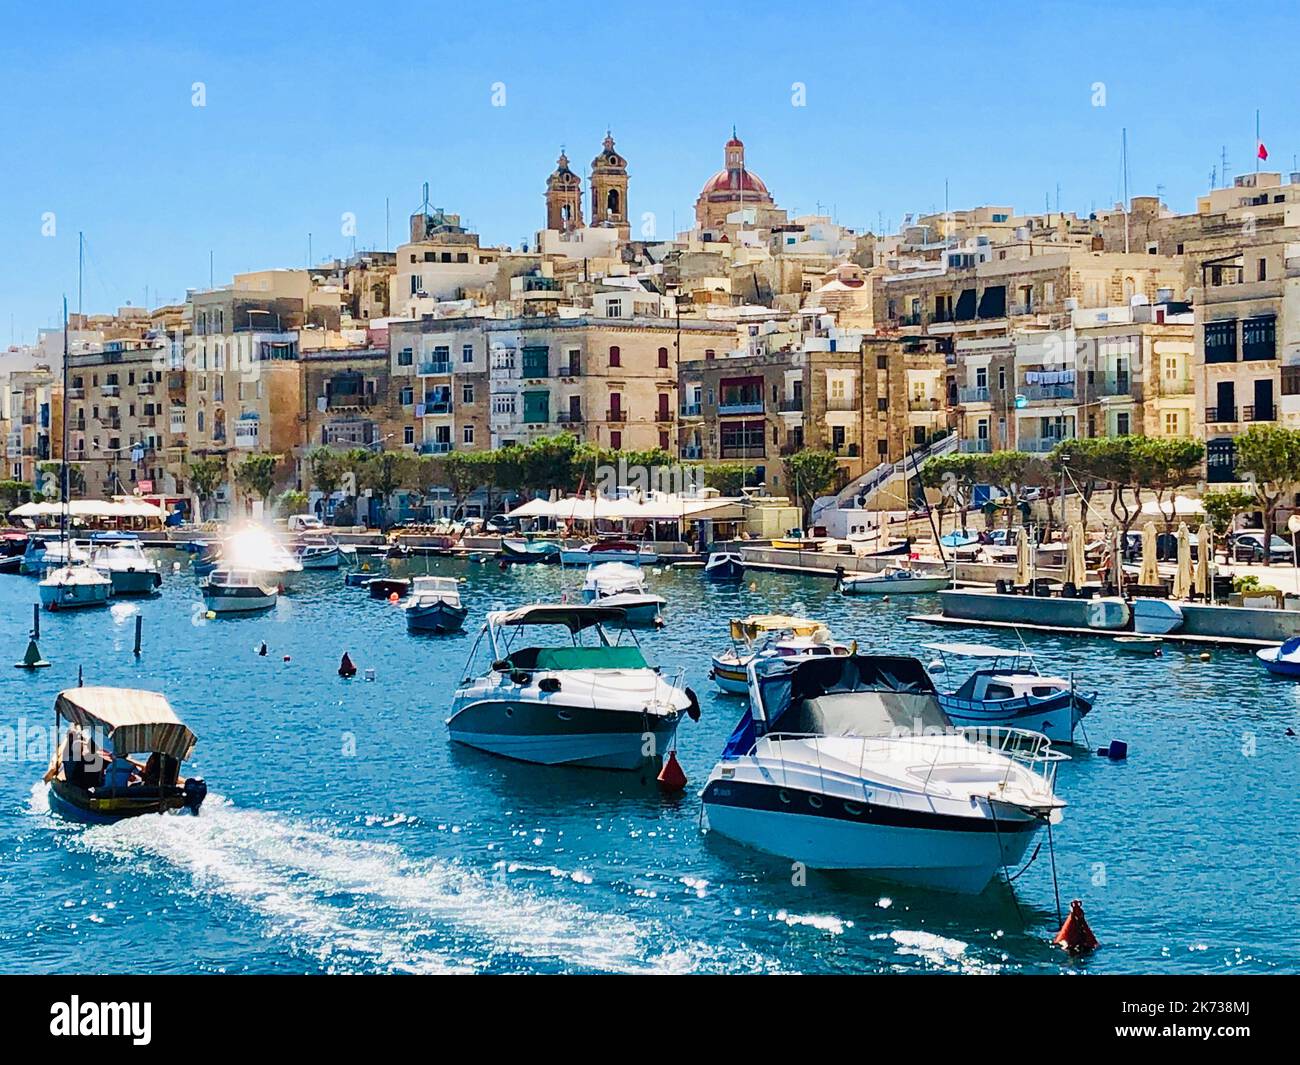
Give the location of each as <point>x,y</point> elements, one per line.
<point>1263,152</point>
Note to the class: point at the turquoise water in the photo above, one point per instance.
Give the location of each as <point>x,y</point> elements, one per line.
<point>414,856</point>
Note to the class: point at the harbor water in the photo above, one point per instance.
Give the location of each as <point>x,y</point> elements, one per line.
<point>344,833</point>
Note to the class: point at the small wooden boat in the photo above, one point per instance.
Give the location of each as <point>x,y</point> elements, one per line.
<point>434,605</point>
<point>1283,660</point>
<point>892,581</point>
<point>724,567</point>
<point>318,551</point>
<point>769,636</point>
<point>530,551</point>
<point>234,590</point>
<point>799,543</point>
<point>93,778</point>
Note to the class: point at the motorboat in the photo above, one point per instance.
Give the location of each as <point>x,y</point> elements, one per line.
<point>434,605</point>
<point>121,558</point>
<point>257,549</point>
<point>609,551</point>
<point>208,558</point>
<point>622,585</point>
<point>93,777</point>
<point>724,567</point>
<point>318,551</point>
<point>851,764</point>
<point>44,553</point>
<point>74,587</point>
<point>1007,690</point>
<point>1282,660</point>
<point>893,580</point>
<point>590,701</point>
<point>769,636</point>
<point>13,545</point>
<point>516,550</point>
<point>238,589</point>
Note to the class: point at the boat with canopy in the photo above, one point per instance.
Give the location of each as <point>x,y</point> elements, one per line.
<point>769,636</point>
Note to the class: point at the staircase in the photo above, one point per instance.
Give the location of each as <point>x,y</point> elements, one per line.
<point>858,493</point>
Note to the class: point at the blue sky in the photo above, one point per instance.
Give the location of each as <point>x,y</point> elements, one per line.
<point>313,110</point>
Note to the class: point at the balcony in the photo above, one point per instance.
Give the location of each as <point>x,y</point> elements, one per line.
<point>1108,384</point>
<point>570,417</point>
<point>1039,445</point>
<point>435,369</point>
<point>435,447</point>
<point>145,388</point>
<point>731,407</point>
<point>76,393</point>
<point>569,371</point>
<point>978,394</point>
<point>1177,386</point>
<point>690,410</point>
<point>349,400</point>
<point>437,408</point>
<point>924,403</point>
<point>111,390</point>
<point>616,415</point>
<point>744,451</point>
<point>692,451</point>
<point>1258,414</point>
<point>975,447</point>
<point>1221,415</point>
<point>791,406</point>
<point>1041,392</point>
<point>841,402</point>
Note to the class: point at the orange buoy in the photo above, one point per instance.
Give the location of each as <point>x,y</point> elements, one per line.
<point>671,778</point>
<point>346,668</point>
<point>1075,937</point>
<point>393,597</point>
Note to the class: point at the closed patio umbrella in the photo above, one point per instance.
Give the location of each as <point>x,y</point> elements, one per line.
<point>1022,559</point>
<point>1071,574</point>
<point>1077,552</point>
<point>1201,581</point>
<point>1150,574</point>
<point>1183,570</point>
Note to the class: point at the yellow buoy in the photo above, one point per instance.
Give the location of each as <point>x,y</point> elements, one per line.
<point>210,614</point>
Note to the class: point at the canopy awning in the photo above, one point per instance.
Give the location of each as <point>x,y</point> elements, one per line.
<point>122,507</point>
<point>573,618</point>
<point>136,720</point>
<point>975,650</point>
<point>755,625</point>
<point>1181,507</point>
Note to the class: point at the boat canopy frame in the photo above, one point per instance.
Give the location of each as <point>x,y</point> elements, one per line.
<point>134,720</point>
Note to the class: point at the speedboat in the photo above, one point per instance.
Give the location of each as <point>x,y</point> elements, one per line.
<point>237,589</point>
<point>44,553</point>
<point>121,558</point>
<point>515,550</point>
<point>434,605</point>
<point>609,551</point>
<point>318,551</point>
<point>769,636</point>
<point>851,764</point>
<point>209,558</point>
<point>724,567</point>
<point>589,701</point>
<point>93,778</point>
<point>891,581</point>
<point>75,586</point>
<point>1009,691</point>
<point>1283,660</point>
<point>622,585</point>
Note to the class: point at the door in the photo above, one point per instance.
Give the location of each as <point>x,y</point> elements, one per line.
<point>1264,399</point>
<point>1226,400</point>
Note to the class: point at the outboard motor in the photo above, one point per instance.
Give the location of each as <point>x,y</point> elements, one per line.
<point>196,790</point>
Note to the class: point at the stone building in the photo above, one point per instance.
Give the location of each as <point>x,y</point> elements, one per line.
<point>735,188</point>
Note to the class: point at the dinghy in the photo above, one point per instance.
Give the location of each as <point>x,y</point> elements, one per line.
<point>892,581</point>
<point>1283,660</point>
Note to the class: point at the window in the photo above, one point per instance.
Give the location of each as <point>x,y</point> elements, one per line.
<point>1172,423</point>
<point>616,440</point>
<point>1262,270</point>
<point>467,393</point>
<point>663,358</point>
<point>614,309</point>
<point>1002,378</point>
<point>467,353</point>
<point>405,357</point>
<point>408,434</point>
<point>615,357</point>
<point>1258,337</point>
<point>981,377</point>
<point>1122,423</point>
<point>882,362</point>
<point>1221,341</point>
<point>467,434</point>
<point>407,396</point>
<point>537,361</point>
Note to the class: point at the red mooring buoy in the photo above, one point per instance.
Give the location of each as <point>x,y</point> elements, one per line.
<point>1075,937</point>
<point>346,668</point>
<point>671,778</point>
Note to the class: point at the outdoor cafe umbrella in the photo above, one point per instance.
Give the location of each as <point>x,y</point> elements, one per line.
<point>1150,574</point>
<point>1183,570</point>
<point>1201,581</point>
<point>1022,559</point>
<point>1077,553</point>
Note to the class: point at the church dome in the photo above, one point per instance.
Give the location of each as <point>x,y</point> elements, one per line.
<point>735,181</point>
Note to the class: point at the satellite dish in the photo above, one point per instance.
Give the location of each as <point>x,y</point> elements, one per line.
<point>1293,524</point>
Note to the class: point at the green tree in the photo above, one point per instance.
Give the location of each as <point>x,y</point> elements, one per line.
<point>12,493</point>
<point>1009,472</point>
<point>1223,505</point>
<point>326,470</point>
<point>206,476</point>
<point>256,474</point>
<point>1165,464</point>
<point>291,502</point>
<point>810,474</point>
<point>461,473</point>
<point>954,476</point>
<point>384,472</point>
<point>1270,456</point>
<point>729,478</point>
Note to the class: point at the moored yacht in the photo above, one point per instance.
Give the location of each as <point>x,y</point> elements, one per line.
<point>609,551</point>
<point>724,567</point>
<point>318,550</point>
<point>121,558</point>
<point>434,605</point>
<point>622,584</point>
<point>75,586</point>
<point>851,764</point>
<point>588,701</point>
<point>236,589</point>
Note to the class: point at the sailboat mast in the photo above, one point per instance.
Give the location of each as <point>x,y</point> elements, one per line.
<point>63,426</point>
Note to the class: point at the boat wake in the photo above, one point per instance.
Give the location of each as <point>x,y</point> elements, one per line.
<point>358,905</point>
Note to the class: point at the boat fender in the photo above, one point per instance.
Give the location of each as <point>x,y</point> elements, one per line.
<point>693,706</point>
<point>346,668</point>
<point>501,665</point>
<point>549,684</point>
<point>393,597</point>
<point>519,677</point>
<point>1075,937</point>
<point>671,777</point>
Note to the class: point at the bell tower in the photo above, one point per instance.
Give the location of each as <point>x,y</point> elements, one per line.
<point>609,188</point>
<point>563,198</point>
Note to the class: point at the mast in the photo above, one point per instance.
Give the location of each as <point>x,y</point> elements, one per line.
<point>63,446</point>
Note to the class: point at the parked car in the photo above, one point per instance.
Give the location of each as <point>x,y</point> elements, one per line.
<point>1247,545</point>
<point>501,524</point>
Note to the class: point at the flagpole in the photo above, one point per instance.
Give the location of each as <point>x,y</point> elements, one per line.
<point>1257,140</point>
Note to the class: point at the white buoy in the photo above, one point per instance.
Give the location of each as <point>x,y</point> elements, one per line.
<point>370,674</point>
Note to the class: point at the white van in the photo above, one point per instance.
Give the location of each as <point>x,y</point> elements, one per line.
<point>304,523</point>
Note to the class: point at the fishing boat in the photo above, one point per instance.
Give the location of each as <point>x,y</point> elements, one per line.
<point>852,764</point>
<point>434,605</point>
<point>387,587</point>
<point>208,558</point>
<point>589,701</point>
<point>74,587</point>
<point>121,558</point>
<point>893,580</point>
<point>724,567</point>
<point>93,777</point>
<point>769,636</point>
<point>318,551</point>
<point>1282,660</point>
<point>1009,691</point>
<point>622,585</point>
<point>237,589</point>
<point>800,543</point>
<point>530,550</point>
<point>609,551</point>
<point>46,552</point>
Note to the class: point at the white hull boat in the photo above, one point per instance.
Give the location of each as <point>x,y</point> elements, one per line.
<point>319,551</point>
<point>851,764</point>
<point>622,585</point>
<point>235,590</point>
<point>893,581</point>
<point>123,561</point>
<point>609,551</point>
<point>73,587</point>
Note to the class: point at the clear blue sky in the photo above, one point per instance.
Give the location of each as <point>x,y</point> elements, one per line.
<point>317,109</point>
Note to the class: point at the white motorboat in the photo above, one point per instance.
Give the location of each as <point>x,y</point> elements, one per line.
<point>590,701</point>
<point>609,551</point>
<point>894,580</point>
<point>622,584</point>
<point>121,558</point>
<point>851,764</point>
<point>434,605</point>
<point>318,551</point>
<point>43,554</point>
<point>1009,691</point>
<point>74,586</point>
<point>237,589</point>
<point>769,636</point>
<point>255,548</point>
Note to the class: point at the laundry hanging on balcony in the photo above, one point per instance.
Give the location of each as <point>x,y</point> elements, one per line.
<point>1049,377</point>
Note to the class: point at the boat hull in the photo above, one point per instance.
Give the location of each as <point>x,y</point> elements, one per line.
<point>240,600</point>
<point>330,559</point>
<point>437,617</point>
<point>1055,716</point>
<point>76,804</point>
<point>134,582</point>
<point>518,551</point>
<point>730,675</point>
<point>909,586</point>
<point>578,557</point>
<point>938,852</point>
<point>74,597</point>
<point>728,572</point>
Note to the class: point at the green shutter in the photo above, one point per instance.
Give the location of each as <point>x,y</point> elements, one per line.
<point>537,361</point>
<point>537,406</point>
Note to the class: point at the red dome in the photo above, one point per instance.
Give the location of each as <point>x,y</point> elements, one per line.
<point>734,181</point>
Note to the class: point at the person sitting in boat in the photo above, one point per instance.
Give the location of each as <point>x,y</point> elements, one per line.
<point>83,765</point>
<point>121,773</point>
<point>162,770</point>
